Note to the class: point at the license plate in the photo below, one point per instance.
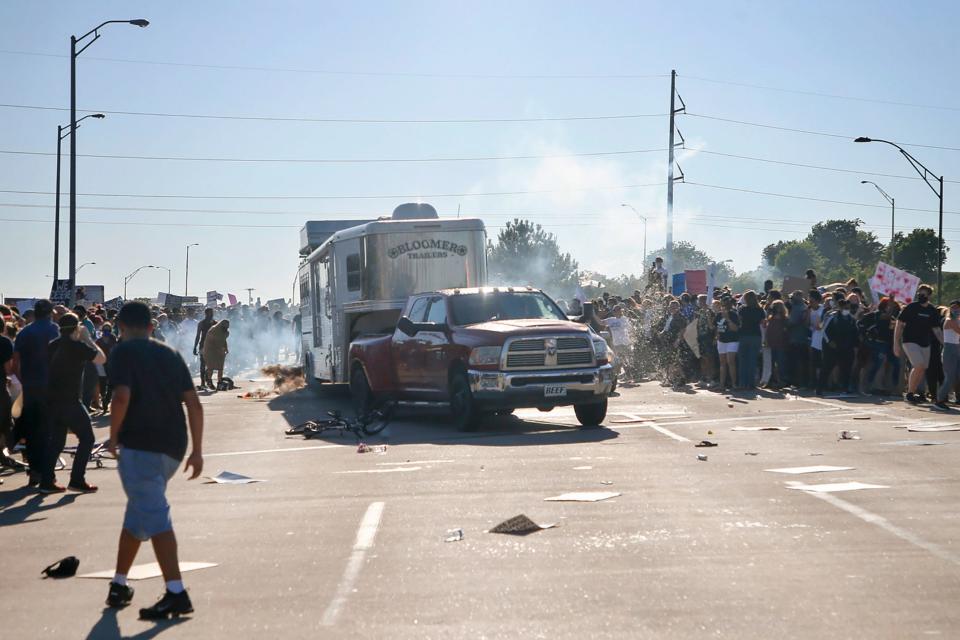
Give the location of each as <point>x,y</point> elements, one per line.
<point>554,391</point>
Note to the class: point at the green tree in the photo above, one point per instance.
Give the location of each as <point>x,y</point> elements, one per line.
<point>842,241</point>
<point>917,253</point>
<point>796,256</point>
<point>526,254</point>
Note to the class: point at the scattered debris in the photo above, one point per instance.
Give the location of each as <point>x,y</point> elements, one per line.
<point>950,426</point>
<point>709,433</point>
<point>702,458</point>
<point>760,429</point>
<point>380,449</point>
<point>228,477</point>
<point>584,468</point>
<point>861,417</point>
<point>285,378</point>
<point>256,394</point>
<point>705,443</point>
<point>815,469</point>
<point>751,453</point>
<point>149,570</point>
<point>606,482</point>
<point>63,568</point>
<point>520,525</point>
<point>584,496</point>
<point>730,405</point>
<point>816,454</point>
<point>914,443</point>
<point>848,434</point>
<point>830,488</point>
<point>454,535</point>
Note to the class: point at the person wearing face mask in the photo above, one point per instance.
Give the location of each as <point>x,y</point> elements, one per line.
<point>840,341</point>
<point>815,317</point>
<point>917,326</point>
<point>876,329</point>
<point>951,354</point>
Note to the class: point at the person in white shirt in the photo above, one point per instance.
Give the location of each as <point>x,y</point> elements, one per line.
<point>620,334</point>
<point>950,355</point>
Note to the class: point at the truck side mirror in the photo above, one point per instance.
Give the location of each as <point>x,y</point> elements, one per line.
<point>407,326</point>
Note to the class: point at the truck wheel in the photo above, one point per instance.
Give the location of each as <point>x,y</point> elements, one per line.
<point>463,409</point>
<point>363,400</point>
<point>591,415</point>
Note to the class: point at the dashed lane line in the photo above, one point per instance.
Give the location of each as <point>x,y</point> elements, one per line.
<point>364,541</point>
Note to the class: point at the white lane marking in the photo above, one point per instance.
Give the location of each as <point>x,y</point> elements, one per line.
<point>390,470</point>
<point>391,464</point>
<point>365,536</point>
<point>250,453</point>
<point>887,526</point>
<point>667,432</point>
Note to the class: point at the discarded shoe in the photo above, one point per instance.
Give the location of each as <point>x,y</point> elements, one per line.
<point>170,605</point>
<point>705,443</point>
<point>66,568</point>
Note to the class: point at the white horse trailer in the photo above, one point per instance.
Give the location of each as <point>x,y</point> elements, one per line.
<point>356,276</point>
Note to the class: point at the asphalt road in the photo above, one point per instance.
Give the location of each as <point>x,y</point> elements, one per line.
<point>337,544</point>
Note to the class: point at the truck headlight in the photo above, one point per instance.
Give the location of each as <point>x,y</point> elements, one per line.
<point>485,356</point>
<point>600,349</point>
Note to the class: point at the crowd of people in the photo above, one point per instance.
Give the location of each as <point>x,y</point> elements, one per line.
<point>830,338</point>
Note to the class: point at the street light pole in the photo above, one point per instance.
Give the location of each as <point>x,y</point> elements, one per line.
<point>644,259</point>
<point>186,276</point>
<point>95,32</point>
<point>56,231</point>
<point>83,265</point>
<point>128,278</point>
<point>893,215</point>
<point>926,174</point>
<point>168,276</point>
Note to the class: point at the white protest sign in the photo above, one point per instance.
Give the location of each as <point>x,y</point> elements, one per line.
<point>890,281</point>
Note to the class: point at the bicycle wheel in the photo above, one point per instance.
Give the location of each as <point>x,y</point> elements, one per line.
<point>377,421</point>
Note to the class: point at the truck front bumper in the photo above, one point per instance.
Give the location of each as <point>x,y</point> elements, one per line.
<point>517,389</point>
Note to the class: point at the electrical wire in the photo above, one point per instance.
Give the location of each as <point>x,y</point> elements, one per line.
<point>340,160</point>
<point>207,116</point>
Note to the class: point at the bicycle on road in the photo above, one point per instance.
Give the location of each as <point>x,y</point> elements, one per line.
<point>368,424</point>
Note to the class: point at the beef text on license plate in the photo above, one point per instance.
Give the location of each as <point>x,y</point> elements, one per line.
<point>554,391</point>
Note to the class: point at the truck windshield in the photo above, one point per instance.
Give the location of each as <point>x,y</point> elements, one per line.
<point>473,308</point>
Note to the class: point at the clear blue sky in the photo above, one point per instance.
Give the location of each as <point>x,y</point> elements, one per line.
<point>888,51</point>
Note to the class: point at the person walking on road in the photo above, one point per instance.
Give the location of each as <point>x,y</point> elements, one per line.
<point>69,356</point>
<point>839,345</point>
<point>203,327</point>
<point>215,351</point>
<point>151,383</point>
<point>917,326</point>
<point>951,355</point>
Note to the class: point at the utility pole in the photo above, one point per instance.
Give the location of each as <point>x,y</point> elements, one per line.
<point>250,291</point>
<point>670,164</point>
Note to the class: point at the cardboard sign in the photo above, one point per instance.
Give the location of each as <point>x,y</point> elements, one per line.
<point>679,283</point>
<point>213,298</point>
<point>89,294</point>
<point>793,283</point>
<point>60,292</point>
<point>114,303</point>
<point>897,283</point>
<point>696,280</point>
<point>170,300</point>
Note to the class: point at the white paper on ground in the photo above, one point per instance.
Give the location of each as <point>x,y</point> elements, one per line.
<point>229,477</point>
<point>759,428</point>
<point>948,426</point>
<point>820,468</point>
<point>149,570</point>
<point>583,468</point>
<point>837,486</point>
<point>584,496</point>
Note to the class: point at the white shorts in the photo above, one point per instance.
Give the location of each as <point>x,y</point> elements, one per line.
<point>917,355</point>
<point>727,347</point>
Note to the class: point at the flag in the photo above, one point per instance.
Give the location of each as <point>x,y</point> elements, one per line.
<point>232,299</point>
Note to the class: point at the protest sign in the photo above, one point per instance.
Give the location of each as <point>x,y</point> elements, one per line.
<point>793,283</point>
<point>213,297</point>
<point>114,303</point>
<point>169,300</point>
<point>696,280</point>
<point>60,291</point>
<point>896,283</point>
<point>679,283</point>
<point>89,294</point>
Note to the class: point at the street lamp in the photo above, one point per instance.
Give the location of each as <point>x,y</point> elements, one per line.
<point>168,276</point>
<point>644,260</point>
<point>128,278</point>
<point>893,215</point>
<point>924,173</point>
<point>63,132</point>
<point>83,265</point>
<point>74,41</point>
<point>186,276</point>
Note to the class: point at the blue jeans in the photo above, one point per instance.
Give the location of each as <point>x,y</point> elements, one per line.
<point>880,352</point>
<point>747,360</point>
<point>951,370</point>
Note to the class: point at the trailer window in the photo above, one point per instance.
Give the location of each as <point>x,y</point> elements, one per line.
<point>354,272</point>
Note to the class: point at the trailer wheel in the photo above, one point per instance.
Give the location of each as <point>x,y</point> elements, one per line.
<point>591,415</point>
<point>463,409</point>
<point>360,392</point>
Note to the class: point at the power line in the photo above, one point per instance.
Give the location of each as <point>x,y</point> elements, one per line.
<point>819,94</point>
<point>207,116</point>
<point>348,197</point>
<point>398,74</point>
<point>810,131</point>
<point>810,198</point>
<point>339,160</point>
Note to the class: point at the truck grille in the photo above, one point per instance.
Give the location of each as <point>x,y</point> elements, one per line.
<point>549,352</point>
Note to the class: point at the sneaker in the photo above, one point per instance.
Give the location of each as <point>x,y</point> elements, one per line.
<point>82,487</point>
<point>171,604</point>
<point>912,398</point>
<point>941,406</point>
<point>120,595</point>
<point>33,480</point>
<point>47,489</point>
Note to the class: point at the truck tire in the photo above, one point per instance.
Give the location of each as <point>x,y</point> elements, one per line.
<point>591,415</point>
<point>463,409</point>
<point>360,393</point>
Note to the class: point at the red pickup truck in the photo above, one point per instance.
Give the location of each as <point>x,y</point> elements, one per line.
<point>484,350</point>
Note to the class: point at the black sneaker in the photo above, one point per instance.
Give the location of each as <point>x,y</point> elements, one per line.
<point>120,595</point>
<point>912,398</point>
<point>942,406</point>
<point>170,605</point>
